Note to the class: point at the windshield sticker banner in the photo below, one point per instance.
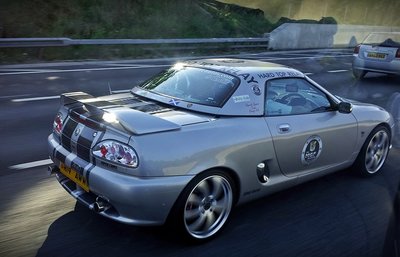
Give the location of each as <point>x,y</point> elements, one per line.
<point>279,74</point>
<point>241,99</point>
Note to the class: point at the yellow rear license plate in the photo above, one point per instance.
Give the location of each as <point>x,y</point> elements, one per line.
<point>376,55</point>
<point>74,176</point>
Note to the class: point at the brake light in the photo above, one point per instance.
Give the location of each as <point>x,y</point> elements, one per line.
<point>398,53</point>
<point>116,152</point>
<point>357,49</point>
<point>58,124</point>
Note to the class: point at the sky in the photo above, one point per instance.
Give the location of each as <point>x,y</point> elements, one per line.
<point>358,12</point>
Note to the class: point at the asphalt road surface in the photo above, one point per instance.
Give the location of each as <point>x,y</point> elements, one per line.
<point>337,215</point>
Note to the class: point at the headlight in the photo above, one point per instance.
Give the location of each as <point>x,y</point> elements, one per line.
<point>116,152</point>
<point>58,124</point>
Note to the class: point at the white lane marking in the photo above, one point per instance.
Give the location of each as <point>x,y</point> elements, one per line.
<point>35,99</point>
<point>13,96</point>
<point>144,66</point>
<point>91,69</point>
<point>29,165</point>
<point>317,55</point>
<point>337,71</point>
<point>23,70</point>
<point>302,58</point>
<point>122,65</point>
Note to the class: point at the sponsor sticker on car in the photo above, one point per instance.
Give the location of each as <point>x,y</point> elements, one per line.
<point>311,150</point>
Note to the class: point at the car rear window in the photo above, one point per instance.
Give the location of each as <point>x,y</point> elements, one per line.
<point>195,85</point>
<point>383,39</point>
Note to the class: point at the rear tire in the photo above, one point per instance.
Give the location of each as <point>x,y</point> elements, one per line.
<point>374,152</point>
<point>204,206</point>
<point>359,74</point>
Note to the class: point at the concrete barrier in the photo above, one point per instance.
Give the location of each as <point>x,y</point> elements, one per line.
<point>307,36</point>
<point>249,42</point>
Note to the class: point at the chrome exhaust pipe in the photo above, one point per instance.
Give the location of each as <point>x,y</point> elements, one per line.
<point>52,169</point>
<point>101,205</point>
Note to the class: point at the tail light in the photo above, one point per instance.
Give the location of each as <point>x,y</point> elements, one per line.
<point>398,53</point>
<point>357,49</point>
<point>58,124</point>
<point>116,152</point>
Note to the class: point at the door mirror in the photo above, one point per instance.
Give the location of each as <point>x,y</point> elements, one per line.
<point>344,107</point>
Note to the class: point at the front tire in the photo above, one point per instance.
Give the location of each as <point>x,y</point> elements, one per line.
<point>374,152</point>
<point>204,206</point>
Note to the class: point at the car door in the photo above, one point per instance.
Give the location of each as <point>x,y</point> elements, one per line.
<point>308,134</point>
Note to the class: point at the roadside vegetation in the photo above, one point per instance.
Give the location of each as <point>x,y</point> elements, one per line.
<point>132,19</point>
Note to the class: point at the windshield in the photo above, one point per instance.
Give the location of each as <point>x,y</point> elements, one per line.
<point>195,85</point>
<point>383,39</point>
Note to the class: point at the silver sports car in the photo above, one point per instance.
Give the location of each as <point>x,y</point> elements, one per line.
<point>379,52</point>
<point>186,146</point>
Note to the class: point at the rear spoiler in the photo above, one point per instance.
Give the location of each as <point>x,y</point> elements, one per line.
<point>131,120</point>
<point>84,98</point>
<point>73,97</point>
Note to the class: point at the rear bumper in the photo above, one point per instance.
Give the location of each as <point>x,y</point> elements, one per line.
<point>131,200</point>
<point>392,67</point>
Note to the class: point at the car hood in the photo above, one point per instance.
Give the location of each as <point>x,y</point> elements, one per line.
<point>357,104</point>
<point>367,113</point>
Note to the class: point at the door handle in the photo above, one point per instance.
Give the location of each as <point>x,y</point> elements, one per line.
<point>284,128</point>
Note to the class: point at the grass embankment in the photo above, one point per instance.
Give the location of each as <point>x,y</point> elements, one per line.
<point>135,19</point>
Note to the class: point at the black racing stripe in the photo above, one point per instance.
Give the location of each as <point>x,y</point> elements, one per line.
<point>100,104</point>
<point>93,121</point>
<point>69,128</point>
<point>86,138</point>
<point>141,105</point>
<point>59,156</point>
<point>67,133</point>
<point>84,143</point>
<point>79,165</point>
<point>65,142</point>
<point>127,101</point>
<point>149,108</point>
<point>83,152</point>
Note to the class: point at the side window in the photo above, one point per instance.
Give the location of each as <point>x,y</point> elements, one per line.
<point>289,96</point>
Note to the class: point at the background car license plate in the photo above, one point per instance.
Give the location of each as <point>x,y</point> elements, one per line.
<point>376,55</point>
<point>74,176</point>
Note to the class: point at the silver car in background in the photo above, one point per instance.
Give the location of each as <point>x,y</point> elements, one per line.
<point>379,52</point>
<point>186,146</point>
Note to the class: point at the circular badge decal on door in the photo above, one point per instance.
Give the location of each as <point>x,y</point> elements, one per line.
<point>311,150</point>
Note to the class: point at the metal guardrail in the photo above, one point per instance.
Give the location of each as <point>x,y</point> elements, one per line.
<point>51,42</point>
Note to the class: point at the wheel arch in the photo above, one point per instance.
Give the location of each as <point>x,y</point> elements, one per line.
<point>387,126</point>
<point>234,176</point>
<point>230,172</point>
<point>359,165</point>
